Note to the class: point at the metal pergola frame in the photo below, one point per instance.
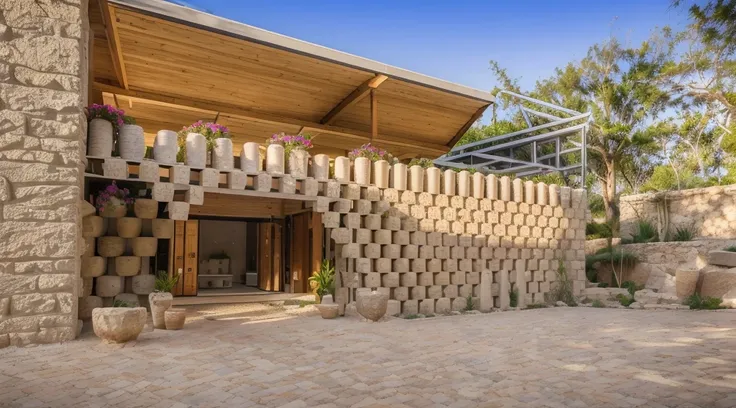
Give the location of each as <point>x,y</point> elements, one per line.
<point>565,132</point>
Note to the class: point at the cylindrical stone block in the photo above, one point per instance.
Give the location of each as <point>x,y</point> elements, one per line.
<point>144,246</point>
<point>479,181</point>
<point>250,158</point>
<point>108,286</point>
<point>222,154</point>
<point>275,159</point>
<point>517,190</point>
<point>449,182</point>
<point>162,228</point>
<point>129,227</point>
<point>93,226</point>
<point>92,266</point>
<point>127,265</point>
<point>505,188</point>
<point>416,178</point>
<point>529,192</point>
<point>87,304</point>
<point>110,246</point>
<point>146,208</point>
<point>143,284</point>
<point>88,284</point>
<point>434,175</point>
<point>685,282</point>
<point>196,150</point>
<point>89,246</point>
<point>362,170</point>
<point>463,183</point>
<point>342,169</point>
<point>542,193</point>
<point>492,187</point>
<point>381,173</point>
<point>321,167</point>
<point>165,147</point>
<point>399,176</point>
<point>554,195</point>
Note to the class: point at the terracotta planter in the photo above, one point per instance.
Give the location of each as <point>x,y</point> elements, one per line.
<point>110,246</point>
<point>250,158</point>
<point>222,154</point>
<point>399,176</point>
<point>416,178</point>
<point>298,163</point>
<point>100,138</point>
<point>196,150</point>
<point>144,246</point>
<point>114,209</point>
<point>92,266</point>
<point>380,173</point>
<point>108,286</point>
<point>160,302</point>
<point>321,167</point>
<point>118,324</point>
<point>165,147</point>
<point>145,208</point>
<point>362,170</point>
<point>93,226</point>
<point>372,305</point>
<point>463,183</point>
<point>685,282</point>
<point>162,228</point>
<point>479,181</point>
<point>433,180</point>
<point>129,227</point>
<point>342,169</point>
<point>275,159</point>
<point>174,318</point>
<point>127,265</point>
<point>449,181</point>
<point>131,142</point>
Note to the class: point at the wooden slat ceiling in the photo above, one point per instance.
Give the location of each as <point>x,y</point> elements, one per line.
<point>177,74</point>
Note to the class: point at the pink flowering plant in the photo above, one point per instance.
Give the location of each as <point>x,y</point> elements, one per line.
<point>112,197</point>
<point>210,131</point>
<point>370,152</point>
<point>291,142</point>
<point>107,112</point>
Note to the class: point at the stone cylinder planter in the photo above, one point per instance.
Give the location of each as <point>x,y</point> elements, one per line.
<point>88,284</point>
<point>93,226</point>
<point>362,170</point>
<point>144,246</point>
<point>449,180</point>
<point>222,154</point>
<point>165,147</point>
<point>196,150</point>
<point>298,163</point>
<point>89,247</point>
<point>542,193</point>
<point>110,246</point>
<point>517,190</point>
<point>108,286</point>
<point>162,228</point>
<point>434,178</point>
<point>505,188</point>
<point>685,282</point>
<point>479,184</point>
<point>398,176</point>
<point>372,305</point>
<point>131,142</point>
<point>416,178</point>
<point>342,169</point>
<point>381,173</point>
<point>250,158</point>
<point>321,167</point>
<point>275,159</point>
<point>127,265</point>
<point>129,227</point>
<point>463,183</point>
<point>174,318</point>
<point>100,138</point>
<point>554,195</point>
<point>92,266</point>
<point>160,302</point>
<point>87,304</point>
<point>529,192</point>
<point>114,209</point>
<point>143,284</point>
<point>492,187</point>
<point>145,208</point>
<point>118,324</point>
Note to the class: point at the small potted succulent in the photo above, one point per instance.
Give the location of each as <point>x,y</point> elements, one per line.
<point>161,298</point>
<point>202,141</point>
<point>131,141</point>
<point>323,284</point>
<point>295,152</point>
<point>113,201</point>
<point>363,157</point>
<point>104,121</point>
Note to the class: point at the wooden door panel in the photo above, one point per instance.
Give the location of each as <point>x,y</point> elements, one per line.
<point>265,255</point>
<point>300,253</point>
<point>277,251</point>
<point>317,242</point>
<point>191,257</point>
<point>178,255</point>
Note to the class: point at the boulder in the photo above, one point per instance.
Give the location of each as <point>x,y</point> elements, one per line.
<point>729,299</point>
<point>118,324</point>
<point>603,293</point>
<point>372,304</point>
<point>685,282</point>
<point>647,297</point>
<point>718,282</point>
<point>722,258</point>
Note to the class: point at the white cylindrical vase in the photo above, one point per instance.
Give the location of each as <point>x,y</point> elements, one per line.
<point>132,142</point>
<point>398,176</point>
<point>463,183</point>
<point>362,170</point>
<point>434,175</point>
<point>416,178</point>
<point>449,182</point>
<point>297,164</point>
<point>196,150</point>
<point>250,158</point>
<point>380,173</point>
<point>479,181</point>
<point>321,167</point>
<point>342,169</point>
<point>222,154</point>
<point>165,147</point>
<point>275,159</point>
<point>99,139</point>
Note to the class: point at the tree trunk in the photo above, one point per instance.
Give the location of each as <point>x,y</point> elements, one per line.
<point>608,187</point>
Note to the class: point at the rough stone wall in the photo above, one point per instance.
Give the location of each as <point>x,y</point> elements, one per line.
<point>429,252</point>
<point>43,79</point>
<point>711,211</point>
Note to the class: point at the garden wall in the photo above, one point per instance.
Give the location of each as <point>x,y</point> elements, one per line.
<point>43,87</point>
<point>710,212</point>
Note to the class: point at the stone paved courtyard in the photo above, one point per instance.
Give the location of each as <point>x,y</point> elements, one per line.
<point>564,357</point>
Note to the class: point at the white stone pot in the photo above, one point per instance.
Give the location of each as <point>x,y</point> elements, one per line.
<point>321,167</point>
<point>416,178</point>
<point>250,158</point>
<point>380,173</point>
<point>222,154</point>
<point>196,150</point>
<point>131,142</point>
<point>100,138</point>
<point>298,163</point>
<point>275,159</point>
<point>492,186</point>
<point>433,180</point>
<point>479,181</point>
<point>399,176</point>
<point>174,318</point>
<point>342,169</point>
<point>118,324</point>
<point>362,170</point>
<point>449,182</point>
<point>165,146</point>
<point>463,183</point>
<point>160,302</point>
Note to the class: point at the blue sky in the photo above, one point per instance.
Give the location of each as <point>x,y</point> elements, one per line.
<point>455,39</point>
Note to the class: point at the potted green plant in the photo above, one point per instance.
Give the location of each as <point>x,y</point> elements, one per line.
<point>161,298</point>
<point>295,152</point>
<point>323,284</point>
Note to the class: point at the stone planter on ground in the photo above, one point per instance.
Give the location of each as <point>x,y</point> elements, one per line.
<point>118,324</point>
<point>328,309</point>
<point>160,302</point>
<point>372,304</point>
<point>174,318</point>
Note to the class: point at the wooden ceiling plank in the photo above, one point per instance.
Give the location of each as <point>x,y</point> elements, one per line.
<point>113,42</point>
<point>374,115</point>
<point>467,125</point>
<point>354,97</point>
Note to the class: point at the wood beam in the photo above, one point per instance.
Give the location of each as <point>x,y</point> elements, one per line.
<point>113,42</point>
<point>354,97</point>
<point>179,102</point>
<point>374,115</point>
<point>467,125</point>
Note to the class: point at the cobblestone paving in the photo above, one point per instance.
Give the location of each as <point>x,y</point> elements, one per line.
<point>565,357</point>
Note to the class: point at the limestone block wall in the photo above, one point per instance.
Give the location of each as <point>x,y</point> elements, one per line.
<point>43,71</point>
<point>430,251</point>
<point>710,211</point>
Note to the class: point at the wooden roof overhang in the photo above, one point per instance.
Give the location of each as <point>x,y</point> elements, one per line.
<point>168,66</point>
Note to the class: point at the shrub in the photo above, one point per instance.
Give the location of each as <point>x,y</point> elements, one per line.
<point>562,290</point>
<point>603,284</point>
<point>705,303</point>
<point>164,282</point>
<point>625,300</point>
<point>469,303</point>
<point>423,162</point>
<point>412,317</point>
<point>323,280</point>
<point>514,297</point>
<point>594,230</point>
<point>683,234</point>
<point>121,303</point>
<point>536,306</point>
<point>597,303</point>
<point>732,248</point>
<point>645,233</point>
<point>631,286</point>
<point>614,256</point>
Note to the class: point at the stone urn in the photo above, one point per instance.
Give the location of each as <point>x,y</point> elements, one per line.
<point>685,282</point>
<point>398,176</point>
<point>372,305</point>
<point>174,318</point>
<point>118,324</point>
<point>100,140</point>
<point>321,167</point>
<point>380,173</point>
<point>160,302</point>
<point>342,169</point>
<point>145,208</point>
<point>250,158</point>
<point>131,142</point>
<point>362,170</point>
<point>298,163</point>
<point>328,308</point>
<point>196,145</point>
<point>165,146</point>
<point>434,175</point>
<point>129,227</point>
<point>222,154</point>
<point>275,159</point>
